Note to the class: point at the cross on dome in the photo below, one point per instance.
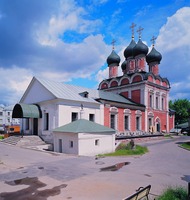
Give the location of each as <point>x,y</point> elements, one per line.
<point>139,31</point>
<point>113,44</point>
<point>153,40</point>
<point>132,27</point>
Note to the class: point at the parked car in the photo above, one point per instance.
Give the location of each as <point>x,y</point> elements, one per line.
<point>175,130</point>
<point>185,131</point>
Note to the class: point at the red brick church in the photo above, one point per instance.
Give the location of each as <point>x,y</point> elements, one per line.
<point>143,86</point>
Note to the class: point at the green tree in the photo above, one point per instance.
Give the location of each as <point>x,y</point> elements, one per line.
<point>182,108</point>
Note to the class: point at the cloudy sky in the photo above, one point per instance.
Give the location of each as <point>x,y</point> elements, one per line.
<point>69,41</point>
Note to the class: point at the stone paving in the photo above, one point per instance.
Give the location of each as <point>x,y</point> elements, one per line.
<point>37,175</point>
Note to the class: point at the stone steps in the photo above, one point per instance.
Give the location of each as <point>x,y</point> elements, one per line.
<point>13,140</point>
<point>24,141</point>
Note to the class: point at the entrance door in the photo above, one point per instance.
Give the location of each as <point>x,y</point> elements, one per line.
<point>60,146</point>
<point>158,127</point>
<point>35,126</point>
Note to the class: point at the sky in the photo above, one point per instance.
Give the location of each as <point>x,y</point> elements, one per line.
<point>69,41</point>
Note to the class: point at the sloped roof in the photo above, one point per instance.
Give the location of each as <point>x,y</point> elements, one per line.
<point>73,92</point>
<point>84,126</point>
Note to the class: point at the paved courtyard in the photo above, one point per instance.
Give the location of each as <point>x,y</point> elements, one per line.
<point>36,175</point>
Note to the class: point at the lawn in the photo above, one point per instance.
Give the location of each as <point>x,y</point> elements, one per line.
<point>126,150</point>
<point>186,145</point>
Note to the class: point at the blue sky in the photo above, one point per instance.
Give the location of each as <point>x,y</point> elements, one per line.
<point>69,41</point>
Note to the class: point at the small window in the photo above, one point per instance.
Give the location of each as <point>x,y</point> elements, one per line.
<point>71,144</point>
<point>112,121</point>
<point>150,101</point>
<point>157,103</point>
<point>91,117</point>
<point>46,121</point>
<point>126,122</point>
<point>74,116</point>
<point>1,113</point>
<point>97,142</point>
<point>137,123</point>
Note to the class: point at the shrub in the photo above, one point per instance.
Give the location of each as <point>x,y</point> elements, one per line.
<point>178,193</point>
<point>1,137</point>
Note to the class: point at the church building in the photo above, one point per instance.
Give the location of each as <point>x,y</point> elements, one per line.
<point>145,87</point>
<point>134,103</point>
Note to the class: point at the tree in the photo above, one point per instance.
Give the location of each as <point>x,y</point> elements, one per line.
<point>182,108</point>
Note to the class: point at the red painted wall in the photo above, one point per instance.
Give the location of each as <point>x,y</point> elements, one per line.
<point>135,96</point>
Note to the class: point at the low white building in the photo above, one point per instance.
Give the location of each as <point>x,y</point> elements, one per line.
<point>83,137</point>
<point>47,105</point>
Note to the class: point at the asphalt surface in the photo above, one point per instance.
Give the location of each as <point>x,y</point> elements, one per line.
<point>27,174</point>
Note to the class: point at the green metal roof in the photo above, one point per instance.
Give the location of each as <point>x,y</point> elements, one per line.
<point>84,126</point>
<point>26,111</point>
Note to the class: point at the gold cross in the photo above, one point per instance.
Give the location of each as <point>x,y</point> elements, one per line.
<point>113,43</point>
<point>153,40</point>
<point>132,29</point>
<point>139,31</point>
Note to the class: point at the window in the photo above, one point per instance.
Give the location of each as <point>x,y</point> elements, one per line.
<point>8,113</point>
<point>126,122</point>
<point>91,117</point>
<point>137,123</point>
<point>162,103</point>
<point>150,101</point>
<point>71,144</point>
<point>157,103</point>
<point>27,124</point>
<point>1,113</point>
<point>8,120</point>
<point>97,142</point>
<point>112,121</point>
<point>74,116</point>
<point>46,121</point>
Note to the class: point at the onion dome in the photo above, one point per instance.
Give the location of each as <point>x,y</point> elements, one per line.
<point>113,58</point>
<point>128,52</point>
<point>140,48</point>
<point>124,65</point>
<point>153,56</point>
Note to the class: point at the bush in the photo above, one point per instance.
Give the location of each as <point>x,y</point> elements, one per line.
<point>1,137</point>
<point>178,193</point>
<point>128,149</point>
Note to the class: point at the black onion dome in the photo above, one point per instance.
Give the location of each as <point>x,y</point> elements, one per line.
<point>128,52</point>
<point>113,58</point>
<point>124,65</point>
<point>140,48</point>
<point>154,56</point>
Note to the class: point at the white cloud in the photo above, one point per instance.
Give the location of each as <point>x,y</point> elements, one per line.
<point>175,33</point>
<point>14,82</point>
<point>68,17</point>
<point>174,44</point>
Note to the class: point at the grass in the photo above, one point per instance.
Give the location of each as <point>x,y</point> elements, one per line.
<point>186,145</point>
<point>1,137</point>
<point>168,136</point>
<point>178,193</point>
<point>126,150</point>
